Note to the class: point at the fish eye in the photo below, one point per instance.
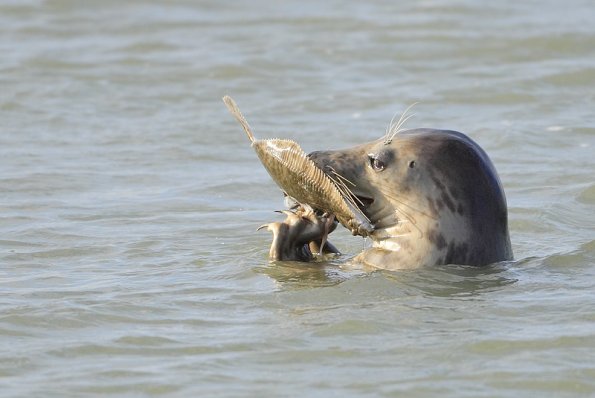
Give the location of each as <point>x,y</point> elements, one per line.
<point>376,163</point>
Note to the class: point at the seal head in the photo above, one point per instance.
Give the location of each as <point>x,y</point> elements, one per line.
<point>432,196</point>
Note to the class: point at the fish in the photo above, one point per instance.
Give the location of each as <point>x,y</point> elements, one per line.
<point>299,177</point>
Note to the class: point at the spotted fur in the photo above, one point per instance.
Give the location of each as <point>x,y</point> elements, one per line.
<point>438,200</point>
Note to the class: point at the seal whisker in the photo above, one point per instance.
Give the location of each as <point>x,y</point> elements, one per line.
<point>395,128</point>
<point>410,220</point>
<point>393,197</point>
<point>408,217</point>
<point>341,177</point>
<point>340,182</point>
<point>389,128</point>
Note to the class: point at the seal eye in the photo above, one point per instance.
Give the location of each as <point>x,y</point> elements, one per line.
<point>376,163</point>
<point>412,164</point>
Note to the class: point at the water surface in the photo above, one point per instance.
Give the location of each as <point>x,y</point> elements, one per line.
<point>129,198</point>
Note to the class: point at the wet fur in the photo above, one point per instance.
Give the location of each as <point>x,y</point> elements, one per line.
<point>446,207</point>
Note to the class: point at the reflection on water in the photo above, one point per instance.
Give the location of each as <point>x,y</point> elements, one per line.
<point>458,280</point>
<point>295,275</point>
<point>441,281</point>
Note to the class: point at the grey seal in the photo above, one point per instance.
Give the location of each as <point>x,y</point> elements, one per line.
<point>432,196</point>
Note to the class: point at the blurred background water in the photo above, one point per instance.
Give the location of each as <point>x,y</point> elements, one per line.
<point>129,198</point>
